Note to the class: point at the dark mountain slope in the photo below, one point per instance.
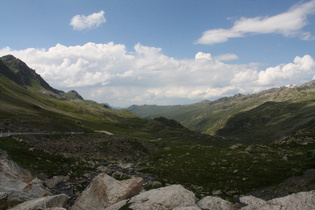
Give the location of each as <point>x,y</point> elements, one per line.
<point>17,71</point>
<point>269,121</point>
<point>23,75</point>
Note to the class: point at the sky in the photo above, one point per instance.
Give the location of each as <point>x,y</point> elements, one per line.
<point>164,52</point>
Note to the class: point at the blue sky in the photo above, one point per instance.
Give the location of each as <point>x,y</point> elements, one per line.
<point>126,52</point>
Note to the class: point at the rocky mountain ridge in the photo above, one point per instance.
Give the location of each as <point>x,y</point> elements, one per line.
<point>18,71</point>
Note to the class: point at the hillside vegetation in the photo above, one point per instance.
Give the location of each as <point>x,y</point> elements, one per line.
<point>28,103</point>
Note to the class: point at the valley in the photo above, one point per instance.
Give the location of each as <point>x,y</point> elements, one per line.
<point>260,144</point>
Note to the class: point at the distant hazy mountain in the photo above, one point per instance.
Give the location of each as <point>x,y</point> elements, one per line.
<point>260,117</point>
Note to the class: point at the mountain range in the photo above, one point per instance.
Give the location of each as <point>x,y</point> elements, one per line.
<point>253,118</point>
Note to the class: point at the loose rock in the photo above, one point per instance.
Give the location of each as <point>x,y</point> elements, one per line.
<point>163,198</point>
<point>17,183</point>
<point>104,191</point>
<point>210,202</point>
<point>55,201</point>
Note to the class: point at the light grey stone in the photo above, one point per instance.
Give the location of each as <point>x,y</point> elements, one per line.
<point>117,205</point>
<point>105,191</point>
<point>55,201</point>
<point>163,198</point>
<point>18,183</point>
<point>301,200</point>
<point>251,200</point>
<point>211,202</point>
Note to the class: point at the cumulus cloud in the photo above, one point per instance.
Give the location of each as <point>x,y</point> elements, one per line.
<point>289,24</point>
<point>302,69</point>
<point>201,55</point>
<point>110,73</point>
<point>81,22</point>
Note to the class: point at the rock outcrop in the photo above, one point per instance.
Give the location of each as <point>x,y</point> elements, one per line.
<point>17,184</point>
<point>104,191</point>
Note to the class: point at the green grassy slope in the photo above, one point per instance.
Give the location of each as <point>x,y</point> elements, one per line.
<point>205,116</point>
<point>233,170</point>
<point>27,105</point>
<point>291,110</point>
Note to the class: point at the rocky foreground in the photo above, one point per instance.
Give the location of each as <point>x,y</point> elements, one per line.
<point>105,192</point>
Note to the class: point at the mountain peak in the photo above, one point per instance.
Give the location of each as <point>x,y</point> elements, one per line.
<point>18,71</point>
<point>8,57</point>
<point>16,65</point>
<point>23,75</point>
<point>72,95</point>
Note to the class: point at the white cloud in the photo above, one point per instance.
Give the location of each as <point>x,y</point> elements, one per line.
<point>81,22</point>
<point>218,36</point>
<point>302,69</point>
<point>110,73</point>
<point>289,23</point>
<point>226,57</point>
<point>201,55</point>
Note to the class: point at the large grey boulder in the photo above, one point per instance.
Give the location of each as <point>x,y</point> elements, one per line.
<point>51,202</point>
<point>17,184</point>
<point>104,191</point>
<point>211,202</point>
<point>163,198</point>
<point>301,200</point>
